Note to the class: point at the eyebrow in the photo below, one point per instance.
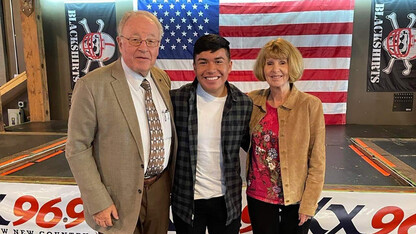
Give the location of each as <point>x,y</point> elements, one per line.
<point>217,58</point>
<point>138,35</point>
<point>283,59</point>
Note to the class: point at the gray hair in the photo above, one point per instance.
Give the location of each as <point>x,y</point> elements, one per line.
<point>147,14</point>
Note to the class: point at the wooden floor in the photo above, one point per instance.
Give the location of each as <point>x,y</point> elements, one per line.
<point>345,168</point>
<point>40,140</point>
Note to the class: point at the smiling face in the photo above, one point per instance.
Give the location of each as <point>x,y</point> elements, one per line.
<point>211,70</point>
<point>139,58</point>
<point>276,72</point>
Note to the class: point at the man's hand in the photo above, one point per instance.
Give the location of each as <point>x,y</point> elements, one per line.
<point>103,218</point>
<point>303,218</point>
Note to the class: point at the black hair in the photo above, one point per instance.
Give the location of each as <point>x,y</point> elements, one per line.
<point>212,43</point>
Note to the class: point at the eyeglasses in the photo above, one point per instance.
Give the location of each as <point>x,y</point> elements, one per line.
<point>136,41</point>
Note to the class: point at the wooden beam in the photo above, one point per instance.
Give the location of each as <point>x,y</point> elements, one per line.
<point>13,88</point>
<point>1,118</point>
<point>34,53</point>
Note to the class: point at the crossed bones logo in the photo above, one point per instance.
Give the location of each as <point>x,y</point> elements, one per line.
<point>400,43</point>
<point>96,46</point>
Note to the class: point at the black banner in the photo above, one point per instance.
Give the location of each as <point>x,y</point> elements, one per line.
<point>392,50</point>
<point>92,32</point>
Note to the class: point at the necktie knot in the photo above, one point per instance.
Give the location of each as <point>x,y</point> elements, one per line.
<point>145,85</point>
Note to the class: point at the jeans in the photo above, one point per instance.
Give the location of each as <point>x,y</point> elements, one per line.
<point>211,214</point>
<point>269,218</point>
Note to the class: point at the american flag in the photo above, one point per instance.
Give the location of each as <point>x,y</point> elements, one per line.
<point>320,29</point>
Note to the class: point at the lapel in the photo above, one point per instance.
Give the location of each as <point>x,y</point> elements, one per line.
<point>229,102</point>
<point>122,92</point>
<point>162,88</point>
<point>193,126</point>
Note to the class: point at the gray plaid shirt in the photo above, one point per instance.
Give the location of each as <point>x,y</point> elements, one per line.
<point>234,134</point>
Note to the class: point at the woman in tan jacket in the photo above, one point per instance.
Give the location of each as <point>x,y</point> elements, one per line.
<point>286,163</point>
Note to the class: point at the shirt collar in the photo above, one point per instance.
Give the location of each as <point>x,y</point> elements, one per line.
<point>260,98</point>
<point>230,89</point>
<point>135,79</point>
<point>205,95</point>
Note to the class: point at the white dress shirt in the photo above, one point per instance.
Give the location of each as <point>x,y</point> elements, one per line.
<point>138,95</point>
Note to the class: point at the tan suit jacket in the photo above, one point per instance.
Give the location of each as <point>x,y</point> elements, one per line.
<point>104,147</point>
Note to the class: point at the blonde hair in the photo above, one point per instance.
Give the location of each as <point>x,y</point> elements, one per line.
<point>280,49</point>
<point>146,14</point>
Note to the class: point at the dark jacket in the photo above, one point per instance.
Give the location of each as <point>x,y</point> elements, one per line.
<point>234,134</point>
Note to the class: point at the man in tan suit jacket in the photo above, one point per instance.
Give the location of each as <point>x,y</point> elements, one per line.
<point>108,137</point>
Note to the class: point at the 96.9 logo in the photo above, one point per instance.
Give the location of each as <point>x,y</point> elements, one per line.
<point>46,215</point>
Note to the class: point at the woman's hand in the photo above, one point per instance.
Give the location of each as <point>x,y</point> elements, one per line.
<point>303,218</point>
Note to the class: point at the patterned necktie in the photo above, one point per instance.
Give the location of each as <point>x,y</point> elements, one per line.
<point>157,151</point>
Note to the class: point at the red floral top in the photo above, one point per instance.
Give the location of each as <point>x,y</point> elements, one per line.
<point>264,180</point>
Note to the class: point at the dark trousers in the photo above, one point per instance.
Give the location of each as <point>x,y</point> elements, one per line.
<point>268,218</point>
<point>211,214</point>
<point>154,211</point>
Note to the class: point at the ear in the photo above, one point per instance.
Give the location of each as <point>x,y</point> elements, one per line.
<point>119,42</point>
<point>230,66</point>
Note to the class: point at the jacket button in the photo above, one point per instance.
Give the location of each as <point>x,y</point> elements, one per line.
<point>140,191</point>
<point>142,165</point>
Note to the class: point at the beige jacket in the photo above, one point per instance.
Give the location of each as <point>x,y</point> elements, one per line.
<point>104,147</point>
<point>301,146</point>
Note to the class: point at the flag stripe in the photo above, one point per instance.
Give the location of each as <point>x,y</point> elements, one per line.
<point>183,75</point>
<point>325,74</point>
<point>307,52</point>
<point>286,18</point>
<point>311,74</point>
<point>296,40</point>
<point>326,52</point>
<point>287,29</point>
<point>305,86</point>
<point>335,119</point>
<point>244,65</point>
<point>290,6</point>
<point>334,108</point>
<point>323,86</point>
<point>331,97</point>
